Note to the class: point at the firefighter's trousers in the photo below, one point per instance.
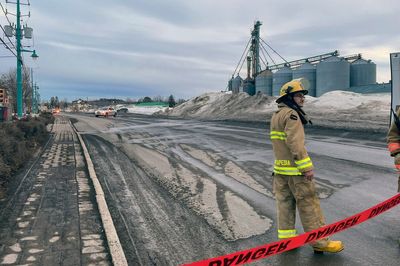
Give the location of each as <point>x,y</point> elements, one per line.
<point>292,191</point>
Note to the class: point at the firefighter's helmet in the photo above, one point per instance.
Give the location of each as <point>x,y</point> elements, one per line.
<point>293,86</point>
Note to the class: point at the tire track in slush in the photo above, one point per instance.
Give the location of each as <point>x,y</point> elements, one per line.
<point>153,208</point>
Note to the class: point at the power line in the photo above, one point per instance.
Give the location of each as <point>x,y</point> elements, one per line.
<point>8,37</point>
<point>7,47</point>
<point>5,13</point>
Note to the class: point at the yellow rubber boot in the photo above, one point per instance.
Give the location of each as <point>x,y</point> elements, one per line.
<point>331,247</point>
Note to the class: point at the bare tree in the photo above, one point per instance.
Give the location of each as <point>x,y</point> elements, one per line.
<point>158,98</point>
<point>9,82</point>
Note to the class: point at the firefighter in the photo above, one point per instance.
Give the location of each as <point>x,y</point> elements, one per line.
<point>393,139</point>
<point>293,169</point>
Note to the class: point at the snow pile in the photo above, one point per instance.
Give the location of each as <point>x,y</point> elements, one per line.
<point>219,105</point>
<point>146,110</point>
<point>344,100</point>
<point>341,109</point>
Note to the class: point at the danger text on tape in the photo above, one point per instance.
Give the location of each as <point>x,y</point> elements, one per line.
<point>250,255</point>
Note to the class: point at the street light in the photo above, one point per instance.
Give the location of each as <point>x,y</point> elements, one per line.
<point>19,76</point>
<point>18,36</point>
<point>34,55</point>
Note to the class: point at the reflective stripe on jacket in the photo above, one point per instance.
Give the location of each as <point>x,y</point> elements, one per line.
<point>287,137</point>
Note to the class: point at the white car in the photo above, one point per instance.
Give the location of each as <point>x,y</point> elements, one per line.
<point>106,111</point>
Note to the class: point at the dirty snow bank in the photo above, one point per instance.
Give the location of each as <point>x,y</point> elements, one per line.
<point>339,109</point>
<point>145,110</point>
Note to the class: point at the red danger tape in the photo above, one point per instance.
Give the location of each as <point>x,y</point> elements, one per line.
<point>264,251</point>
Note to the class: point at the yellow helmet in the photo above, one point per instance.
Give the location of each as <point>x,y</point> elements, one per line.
<point>293,86</point>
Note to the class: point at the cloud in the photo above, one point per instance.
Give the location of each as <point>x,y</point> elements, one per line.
<point>185,48</point>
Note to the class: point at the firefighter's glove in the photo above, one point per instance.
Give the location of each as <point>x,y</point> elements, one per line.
<point>309,175</point>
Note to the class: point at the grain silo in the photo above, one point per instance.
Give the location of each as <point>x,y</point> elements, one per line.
<point>230,84</point>
<point>279,78</point>
<point>264,83</point>
<point>307,71</point>
<point>249,87</point>
<point>362,72</point>
<point>236,84</point>
<point>332,74</point>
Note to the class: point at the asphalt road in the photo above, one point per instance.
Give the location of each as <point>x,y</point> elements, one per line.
<point>145,165</point>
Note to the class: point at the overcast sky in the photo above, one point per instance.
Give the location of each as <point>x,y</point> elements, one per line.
<point>136,48</point>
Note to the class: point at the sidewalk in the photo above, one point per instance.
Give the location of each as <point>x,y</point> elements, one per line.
<point>52,217</point>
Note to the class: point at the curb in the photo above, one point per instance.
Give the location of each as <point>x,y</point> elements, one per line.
<point>114,245</point>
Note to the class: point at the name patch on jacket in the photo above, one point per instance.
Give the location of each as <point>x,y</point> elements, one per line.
<point>282,162</point>
<point>293,117</point>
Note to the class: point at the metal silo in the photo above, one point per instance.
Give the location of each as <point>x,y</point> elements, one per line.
<point>279,78</point>
<point>264,83</point>
<point>362,72</point>
<point>236,84</point>
<point>230,84</point>
<point>249,87</point>
<point>309,72</point>
<point>332,74</point>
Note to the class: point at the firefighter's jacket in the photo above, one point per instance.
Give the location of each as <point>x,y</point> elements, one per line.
<point>287,137</point>
<point>393,139</point>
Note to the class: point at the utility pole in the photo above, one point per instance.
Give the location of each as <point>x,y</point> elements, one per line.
<point>37,98</point>
<point>33,93</point>
<point>19,34</point>
<point>19,62</point>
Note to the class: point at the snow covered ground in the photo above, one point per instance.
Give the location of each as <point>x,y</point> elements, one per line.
<point>339,109</point>
<point>146,110</point>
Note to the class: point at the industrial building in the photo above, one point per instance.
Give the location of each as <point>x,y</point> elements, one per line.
<point>326,72</point>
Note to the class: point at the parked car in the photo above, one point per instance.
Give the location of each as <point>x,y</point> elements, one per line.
<point>105,111</point>
<point>122,110</point>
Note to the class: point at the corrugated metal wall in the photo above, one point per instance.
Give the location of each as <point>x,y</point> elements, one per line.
<point>279,78</point>
<point>332,74</point>
<point>308,72</point>
<point>362,72</point>
<point>264,83</point>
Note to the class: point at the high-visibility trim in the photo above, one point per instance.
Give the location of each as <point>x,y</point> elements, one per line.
<point>305,166</point>
<point>287,173</point>
<point>305,163</point>
<point>285,168</point>
<point>281,170</point>
<point>393,146</point>
<point>306,160</point>
<point>278,135</point>
<point>287,233</point>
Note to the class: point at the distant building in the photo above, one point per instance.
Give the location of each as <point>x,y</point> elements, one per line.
<point>80,105</point>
